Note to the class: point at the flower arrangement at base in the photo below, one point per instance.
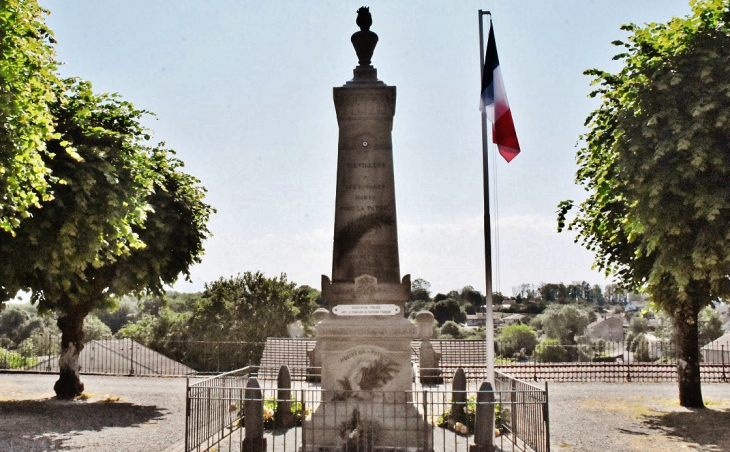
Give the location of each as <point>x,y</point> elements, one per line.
<point>359,434</point>
<point>460,423</point>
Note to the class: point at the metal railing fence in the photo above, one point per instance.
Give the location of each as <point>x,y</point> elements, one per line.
<point>426,418</point>
<point>214,409</point>
<point>599,361</point>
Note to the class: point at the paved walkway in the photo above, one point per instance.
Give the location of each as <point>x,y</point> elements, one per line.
<point>126,414</point>
<point>122,414</point>
<point>636,417</point>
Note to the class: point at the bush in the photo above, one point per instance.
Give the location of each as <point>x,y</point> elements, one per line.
<point>641,349</point>
<point>462,423</point>
<point>514,338</point>
<point>452,329</point>
<point>14,360</point>
<point>550,351</point>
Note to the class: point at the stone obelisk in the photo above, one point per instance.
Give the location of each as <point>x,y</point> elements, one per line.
<point>363,344</point>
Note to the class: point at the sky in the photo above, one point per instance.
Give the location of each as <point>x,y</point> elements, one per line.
<point>242,90</point>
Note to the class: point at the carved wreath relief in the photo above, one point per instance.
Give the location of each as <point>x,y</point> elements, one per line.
<point>365,369</point>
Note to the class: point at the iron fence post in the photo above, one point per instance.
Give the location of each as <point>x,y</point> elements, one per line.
<point>49,352</point>
<point>546,417</point>
<point>187,412</point>
<point>131,357</point>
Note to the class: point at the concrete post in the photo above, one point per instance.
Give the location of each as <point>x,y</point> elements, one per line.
<point>283,417</point>
<point>254,440</point>
<point>484,423</point>
<point>458,397</point>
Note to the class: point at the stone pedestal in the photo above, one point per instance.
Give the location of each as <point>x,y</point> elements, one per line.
<point>366,374</point>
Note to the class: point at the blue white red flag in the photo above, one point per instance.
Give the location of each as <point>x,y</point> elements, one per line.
<point>494,99</point>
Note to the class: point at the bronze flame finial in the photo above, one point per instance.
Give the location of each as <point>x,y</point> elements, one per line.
<point>364,40</point>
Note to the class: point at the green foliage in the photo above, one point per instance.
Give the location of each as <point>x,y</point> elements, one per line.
<point>95,329</point>
<point>124,217</point>
<point>551,351</point>
<point>27,76</point>
<point>270,406</point>
<point>513,339</point>
<point>566,322</point>
<point>229,307</point>
<point>126,311</point>
<point>656,161</point>
<point>448,309</point>
<point>451,329</point>
<point>15,360</point>
<point>640,347</point>
<point>638,325</point>
<point>460,423</point>
<point>710,326</point>
<point>420,290</point>
<point>155,330</point>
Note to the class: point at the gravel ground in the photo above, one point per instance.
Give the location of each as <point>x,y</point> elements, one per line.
<point>636,417</point>
<point>149,415</point>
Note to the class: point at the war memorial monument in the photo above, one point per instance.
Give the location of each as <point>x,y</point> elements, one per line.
<point>363,342</point>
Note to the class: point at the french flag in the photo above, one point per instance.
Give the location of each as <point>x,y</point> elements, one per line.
<point>494,99</point>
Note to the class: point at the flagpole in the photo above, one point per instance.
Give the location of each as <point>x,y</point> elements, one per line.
<point>487,220</point>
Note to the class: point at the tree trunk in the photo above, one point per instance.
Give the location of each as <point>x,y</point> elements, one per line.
<point>69,384</point>
<point>688,358</point>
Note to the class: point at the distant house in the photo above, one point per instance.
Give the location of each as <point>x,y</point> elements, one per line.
<point>717,351</point>
<point>658,347</point>
<point>476,320</point>
<point>608,328</point>
<point>513,319</point>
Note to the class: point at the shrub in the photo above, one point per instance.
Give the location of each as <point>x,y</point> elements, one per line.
<point>550,351</point>
<point>514,338</point>
<point>14,360</point>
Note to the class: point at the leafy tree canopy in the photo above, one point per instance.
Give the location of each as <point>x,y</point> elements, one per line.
<point>250,307</point>
<point>656,161</point>
<point>27,78</point>
<point>566,322</point>
<point>124,217</point>
<point>514,338</point>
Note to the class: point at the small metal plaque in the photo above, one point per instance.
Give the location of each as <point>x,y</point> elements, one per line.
<point>366,309</point>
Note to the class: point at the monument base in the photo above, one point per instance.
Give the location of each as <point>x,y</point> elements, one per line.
<point>367,425</point>
<point>366,381</point>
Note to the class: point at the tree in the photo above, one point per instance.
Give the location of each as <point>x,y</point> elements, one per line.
<point>551,351</point>
<point>710,326</point>
<point>95,329</point>
<point>27,78</point>
<point>553,292</point>
<point>250,307</point>
<point>125,312</point>
<point>655,162</point>
<point>448,309</point>
<point>420,297</point>
<point>450,330</point>
<point>514,338</point>
<point>124,219</point>
<point>565,322</point>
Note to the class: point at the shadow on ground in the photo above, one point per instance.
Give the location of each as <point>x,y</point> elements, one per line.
<point>47,424</point>
<point>707,428</point>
